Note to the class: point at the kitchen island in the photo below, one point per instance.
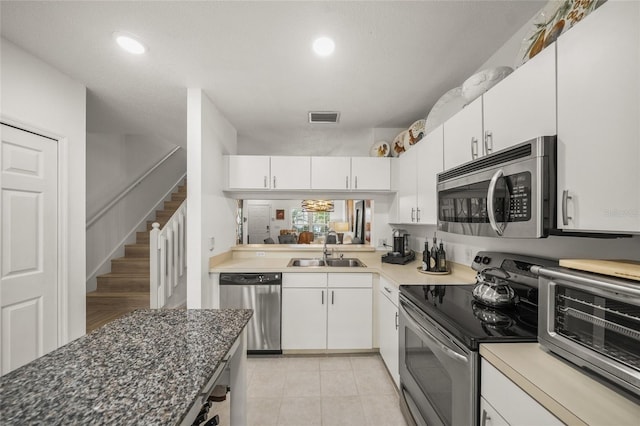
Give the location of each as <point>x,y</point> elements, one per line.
<point>148,367</point>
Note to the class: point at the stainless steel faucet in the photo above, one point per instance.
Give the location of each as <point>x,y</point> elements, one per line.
<point>324,249</point>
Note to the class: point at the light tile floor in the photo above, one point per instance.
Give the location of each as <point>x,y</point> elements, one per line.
<point>318,390</point>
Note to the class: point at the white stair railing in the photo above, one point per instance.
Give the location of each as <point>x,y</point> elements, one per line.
<point>167,260</point>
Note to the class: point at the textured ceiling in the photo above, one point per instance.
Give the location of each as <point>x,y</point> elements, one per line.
<point>393,59</point>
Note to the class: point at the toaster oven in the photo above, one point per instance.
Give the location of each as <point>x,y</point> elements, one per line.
<point>592,321</point>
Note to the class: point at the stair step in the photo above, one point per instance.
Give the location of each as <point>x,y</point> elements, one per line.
<point>178,196</point>
<point>123,283</point>
<point>136,250</point>
<point>126,265</point>
<point>96,318</point>
<point>164,214</point>
<point>182,188</point>
<point>172,205</point>
<point>142,238</point>
<point>117,300</point>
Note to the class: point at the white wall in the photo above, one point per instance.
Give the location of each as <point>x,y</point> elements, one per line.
<point>41,98</point>
<point>209,212</point>
<point>114,162</point>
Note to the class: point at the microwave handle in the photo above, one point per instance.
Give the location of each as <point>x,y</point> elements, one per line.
<point>490,206</point>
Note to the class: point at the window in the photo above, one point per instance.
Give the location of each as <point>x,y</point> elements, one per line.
<point>316,222</point>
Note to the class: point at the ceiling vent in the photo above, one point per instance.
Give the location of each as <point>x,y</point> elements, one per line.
<point>324,116</point>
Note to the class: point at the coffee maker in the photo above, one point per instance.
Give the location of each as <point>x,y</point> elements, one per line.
<point>401,253</point>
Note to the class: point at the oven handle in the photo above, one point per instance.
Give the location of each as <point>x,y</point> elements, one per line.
<point>490,207</point>
<point>443,346</point>
<point>598,283</point>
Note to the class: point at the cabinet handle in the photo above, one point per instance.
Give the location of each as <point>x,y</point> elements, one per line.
<point>417,215</point>
<point>346,182</point>
<point>274,182</point>
<point>474,153</point>
<point>488,142</point>
<point>396,320</point>
<point>356,182</point>
<point>332,296</point>
<point>322,292</point>
<point>265,181</point>
<point>485,417</point>
<point>565,200</point>
<point>412,214</point>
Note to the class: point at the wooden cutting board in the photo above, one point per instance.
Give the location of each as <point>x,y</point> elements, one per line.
<point>628,269</point>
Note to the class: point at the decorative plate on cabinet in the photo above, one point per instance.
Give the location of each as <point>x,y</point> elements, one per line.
<point>482,81</point>
<point>416,131</point>
<point>397,147</point>
<point>555,18</point>
<point>380,149</point>
<point>444,108</point>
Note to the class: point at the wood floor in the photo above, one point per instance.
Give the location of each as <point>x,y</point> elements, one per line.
<point>126,287</point>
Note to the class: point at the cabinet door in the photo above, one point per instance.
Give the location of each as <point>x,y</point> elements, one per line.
<point>248,171</point>
<point>512,403</point>
<point>332,173</point>
<point>404,182</point>
<point>370,173</point>
<point>598,110</point>
<point>523,105</point>
<point>290,172</point>
<point>304,318</point>
<point>388,329</point>
<point>429,155</point>
<point>350,318</point>
<point>489,416</point>
<point>463,135</point>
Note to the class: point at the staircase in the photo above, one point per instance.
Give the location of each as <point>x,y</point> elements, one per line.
<point>126,287</point>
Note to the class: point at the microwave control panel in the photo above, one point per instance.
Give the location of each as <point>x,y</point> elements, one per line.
<point>520,197</point>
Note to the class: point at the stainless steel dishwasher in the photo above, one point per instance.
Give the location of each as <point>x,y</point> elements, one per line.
<point>261,292</point>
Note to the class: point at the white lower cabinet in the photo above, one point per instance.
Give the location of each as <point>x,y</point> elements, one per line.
<point>506,403</point>
<point>388,337</point>
<point>327,311</point>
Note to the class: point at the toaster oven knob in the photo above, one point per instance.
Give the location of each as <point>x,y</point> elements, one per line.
<point>486,260</point>
<point>477,259</point>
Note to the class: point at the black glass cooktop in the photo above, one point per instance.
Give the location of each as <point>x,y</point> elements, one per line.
<point>456,311</point>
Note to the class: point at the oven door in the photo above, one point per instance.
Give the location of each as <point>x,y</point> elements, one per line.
<point>438,376</point>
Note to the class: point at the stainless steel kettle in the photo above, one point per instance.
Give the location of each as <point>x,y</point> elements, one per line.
<point>493,290</point>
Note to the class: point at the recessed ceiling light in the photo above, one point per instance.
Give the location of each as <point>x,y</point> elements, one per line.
<point>323,46</point>
<point>129,43</point>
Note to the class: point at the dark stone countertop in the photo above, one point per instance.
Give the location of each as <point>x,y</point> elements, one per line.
<point>147,367</point>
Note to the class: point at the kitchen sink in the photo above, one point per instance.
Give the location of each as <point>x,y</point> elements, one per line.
<point>346,263</point>
<point>306,262</point>
<point>338,263</point>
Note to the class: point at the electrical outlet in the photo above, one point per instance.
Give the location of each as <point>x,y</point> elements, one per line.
<point>260,254</point>
<point>212,243</point>
<point>382,242</point>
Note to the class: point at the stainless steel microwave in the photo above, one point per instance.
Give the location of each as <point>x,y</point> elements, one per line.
<point>510,193</point>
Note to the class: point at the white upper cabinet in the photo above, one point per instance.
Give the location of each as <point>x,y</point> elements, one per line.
<point>290,172</point>
<point>414,176</point>
<point>523,105</point>
<point>248,172</point>
<point>463,135</point>
<point>429,164</point>
<point>598,116</point>
<point>331,173</point>
<point>519,108</point>
<point>370,173</point>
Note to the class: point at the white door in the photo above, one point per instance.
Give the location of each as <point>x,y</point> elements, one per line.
<point>248,171</point>
<point>371,173</point>
<point>430,154</point>
<point>293,172</point>
<point>304,318</point>
<point>463,135</point>
<point>404,178</point>
<point>258,223</point>
<point>29,271</point>
<point>330,173</point>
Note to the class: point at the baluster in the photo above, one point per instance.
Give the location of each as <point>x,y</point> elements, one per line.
<point>154,266</point>
<point>176,250</point>
<point>169,232</point>
<point>162,244</point>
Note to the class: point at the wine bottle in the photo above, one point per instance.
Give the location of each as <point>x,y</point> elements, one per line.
<point>426,262</point>
<point>442,258</point>
<point>433,258</point>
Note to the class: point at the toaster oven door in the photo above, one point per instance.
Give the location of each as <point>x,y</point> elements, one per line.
<point>593,322</point>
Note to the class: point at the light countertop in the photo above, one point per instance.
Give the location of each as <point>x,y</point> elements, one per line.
<point>567,392</point>
<point>261,259</point>
<point>147,367</point>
